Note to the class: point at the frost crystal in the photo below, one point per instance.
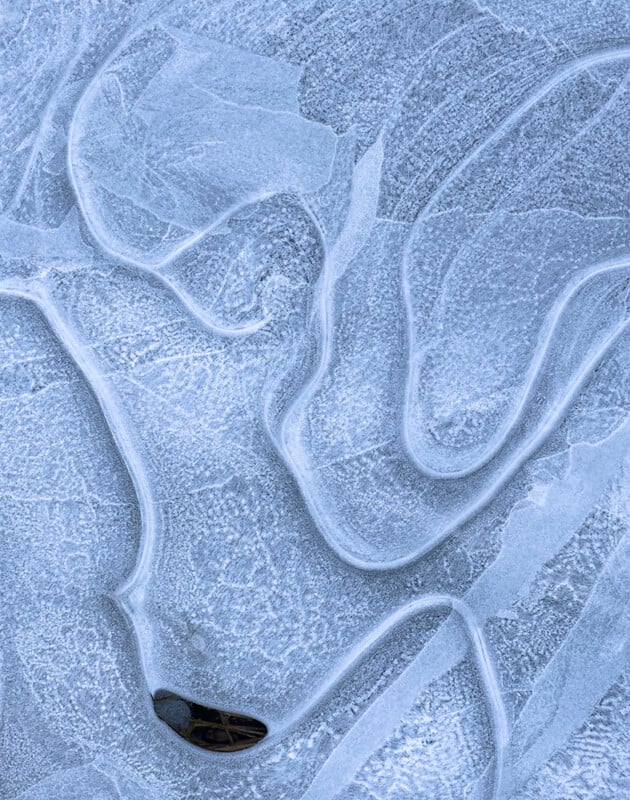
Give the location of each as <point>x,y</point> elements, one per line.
<point>314,400</point>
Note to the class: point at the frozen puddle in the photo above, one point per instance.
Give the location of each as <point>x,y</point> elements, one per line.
<point>314,401</point>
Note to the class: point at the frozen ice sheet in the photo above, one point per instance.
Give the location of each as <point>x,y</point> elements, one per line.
<point>314,397</point>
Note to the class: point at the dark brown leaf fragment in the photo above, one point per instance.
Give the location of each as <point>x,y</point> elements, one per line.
<point>209,728</point>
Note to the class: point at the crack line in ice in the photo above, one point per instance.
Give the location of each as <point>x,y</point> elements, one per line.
<point>577,66</point>
<point>355,232</point>
<point>127,594</point>
<point>288,441</point>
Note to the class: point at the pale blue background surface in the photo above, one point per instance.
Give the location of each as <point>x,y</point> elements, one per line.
<point>314,397</point>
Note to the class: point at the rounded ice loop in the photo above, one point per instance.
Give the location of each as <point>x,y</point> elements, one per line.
<point>298,462</point>
<point>215,729</point>
<point>151,188</point>
<point>343,513</point>
<point>497,441</point>
<point>555,319</point>
<point>485,668</point>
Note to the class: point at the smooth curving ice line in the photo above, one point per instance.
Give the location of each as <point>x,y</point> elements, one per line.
<point>114,418</point>
<point>193,308</point>
<point>500,437</point>
<point>151,7</point>
<point>425,603</point>
<point>127,594</point>
<point>499,440</point>
<point>288,439</point>
<point>553,319</point>
<point>298,464</point>
<point>581,64</point>
<point>353,235</point>
<point>155,269</point>
<point>53,244</point>
<point>295,461</point>
<point>510,576</point>
<point>325,784</point>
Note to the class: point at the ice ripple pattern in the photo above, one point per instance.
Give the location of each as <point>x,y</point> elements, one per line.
<point>314,396</point>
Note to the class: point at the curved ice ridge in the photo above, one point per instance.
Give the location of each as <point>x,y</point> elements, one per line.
<point>114,419</point>
<point>155,269</point>
<point>361,216</point>
<point>125,593</point>
<point>499,439</point>
<point>342,251</point>
<point>193,308</point>
<point>510,576</point>
<point>485,668</point>
<point>299,467</point>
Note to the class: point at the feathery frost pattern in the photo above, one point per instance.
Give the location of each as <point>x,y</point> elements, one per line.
<point>314,400</point>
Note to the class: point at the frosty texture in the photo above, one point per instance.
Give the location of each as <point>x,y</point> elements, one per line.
<point>314,397</point>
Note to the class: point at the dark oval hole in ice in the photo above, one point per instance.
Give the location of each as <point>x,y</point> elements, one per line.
<point>210,728</point>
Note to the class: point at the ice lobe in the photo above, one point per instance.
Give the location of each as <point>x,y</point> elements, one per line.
<point>534,240</point>
<point>329,301</point>
<point>178,132</point>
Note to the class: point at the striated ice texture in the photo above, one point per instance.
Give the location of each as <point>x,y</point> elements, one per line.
<point>315,397</point>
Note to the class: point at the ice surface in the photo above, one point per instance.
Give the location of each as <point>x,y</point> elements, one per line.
<point>314,397</point>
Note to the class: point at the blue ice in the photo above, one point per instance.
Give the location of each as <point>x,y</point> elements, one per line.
<point>314,397</point>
